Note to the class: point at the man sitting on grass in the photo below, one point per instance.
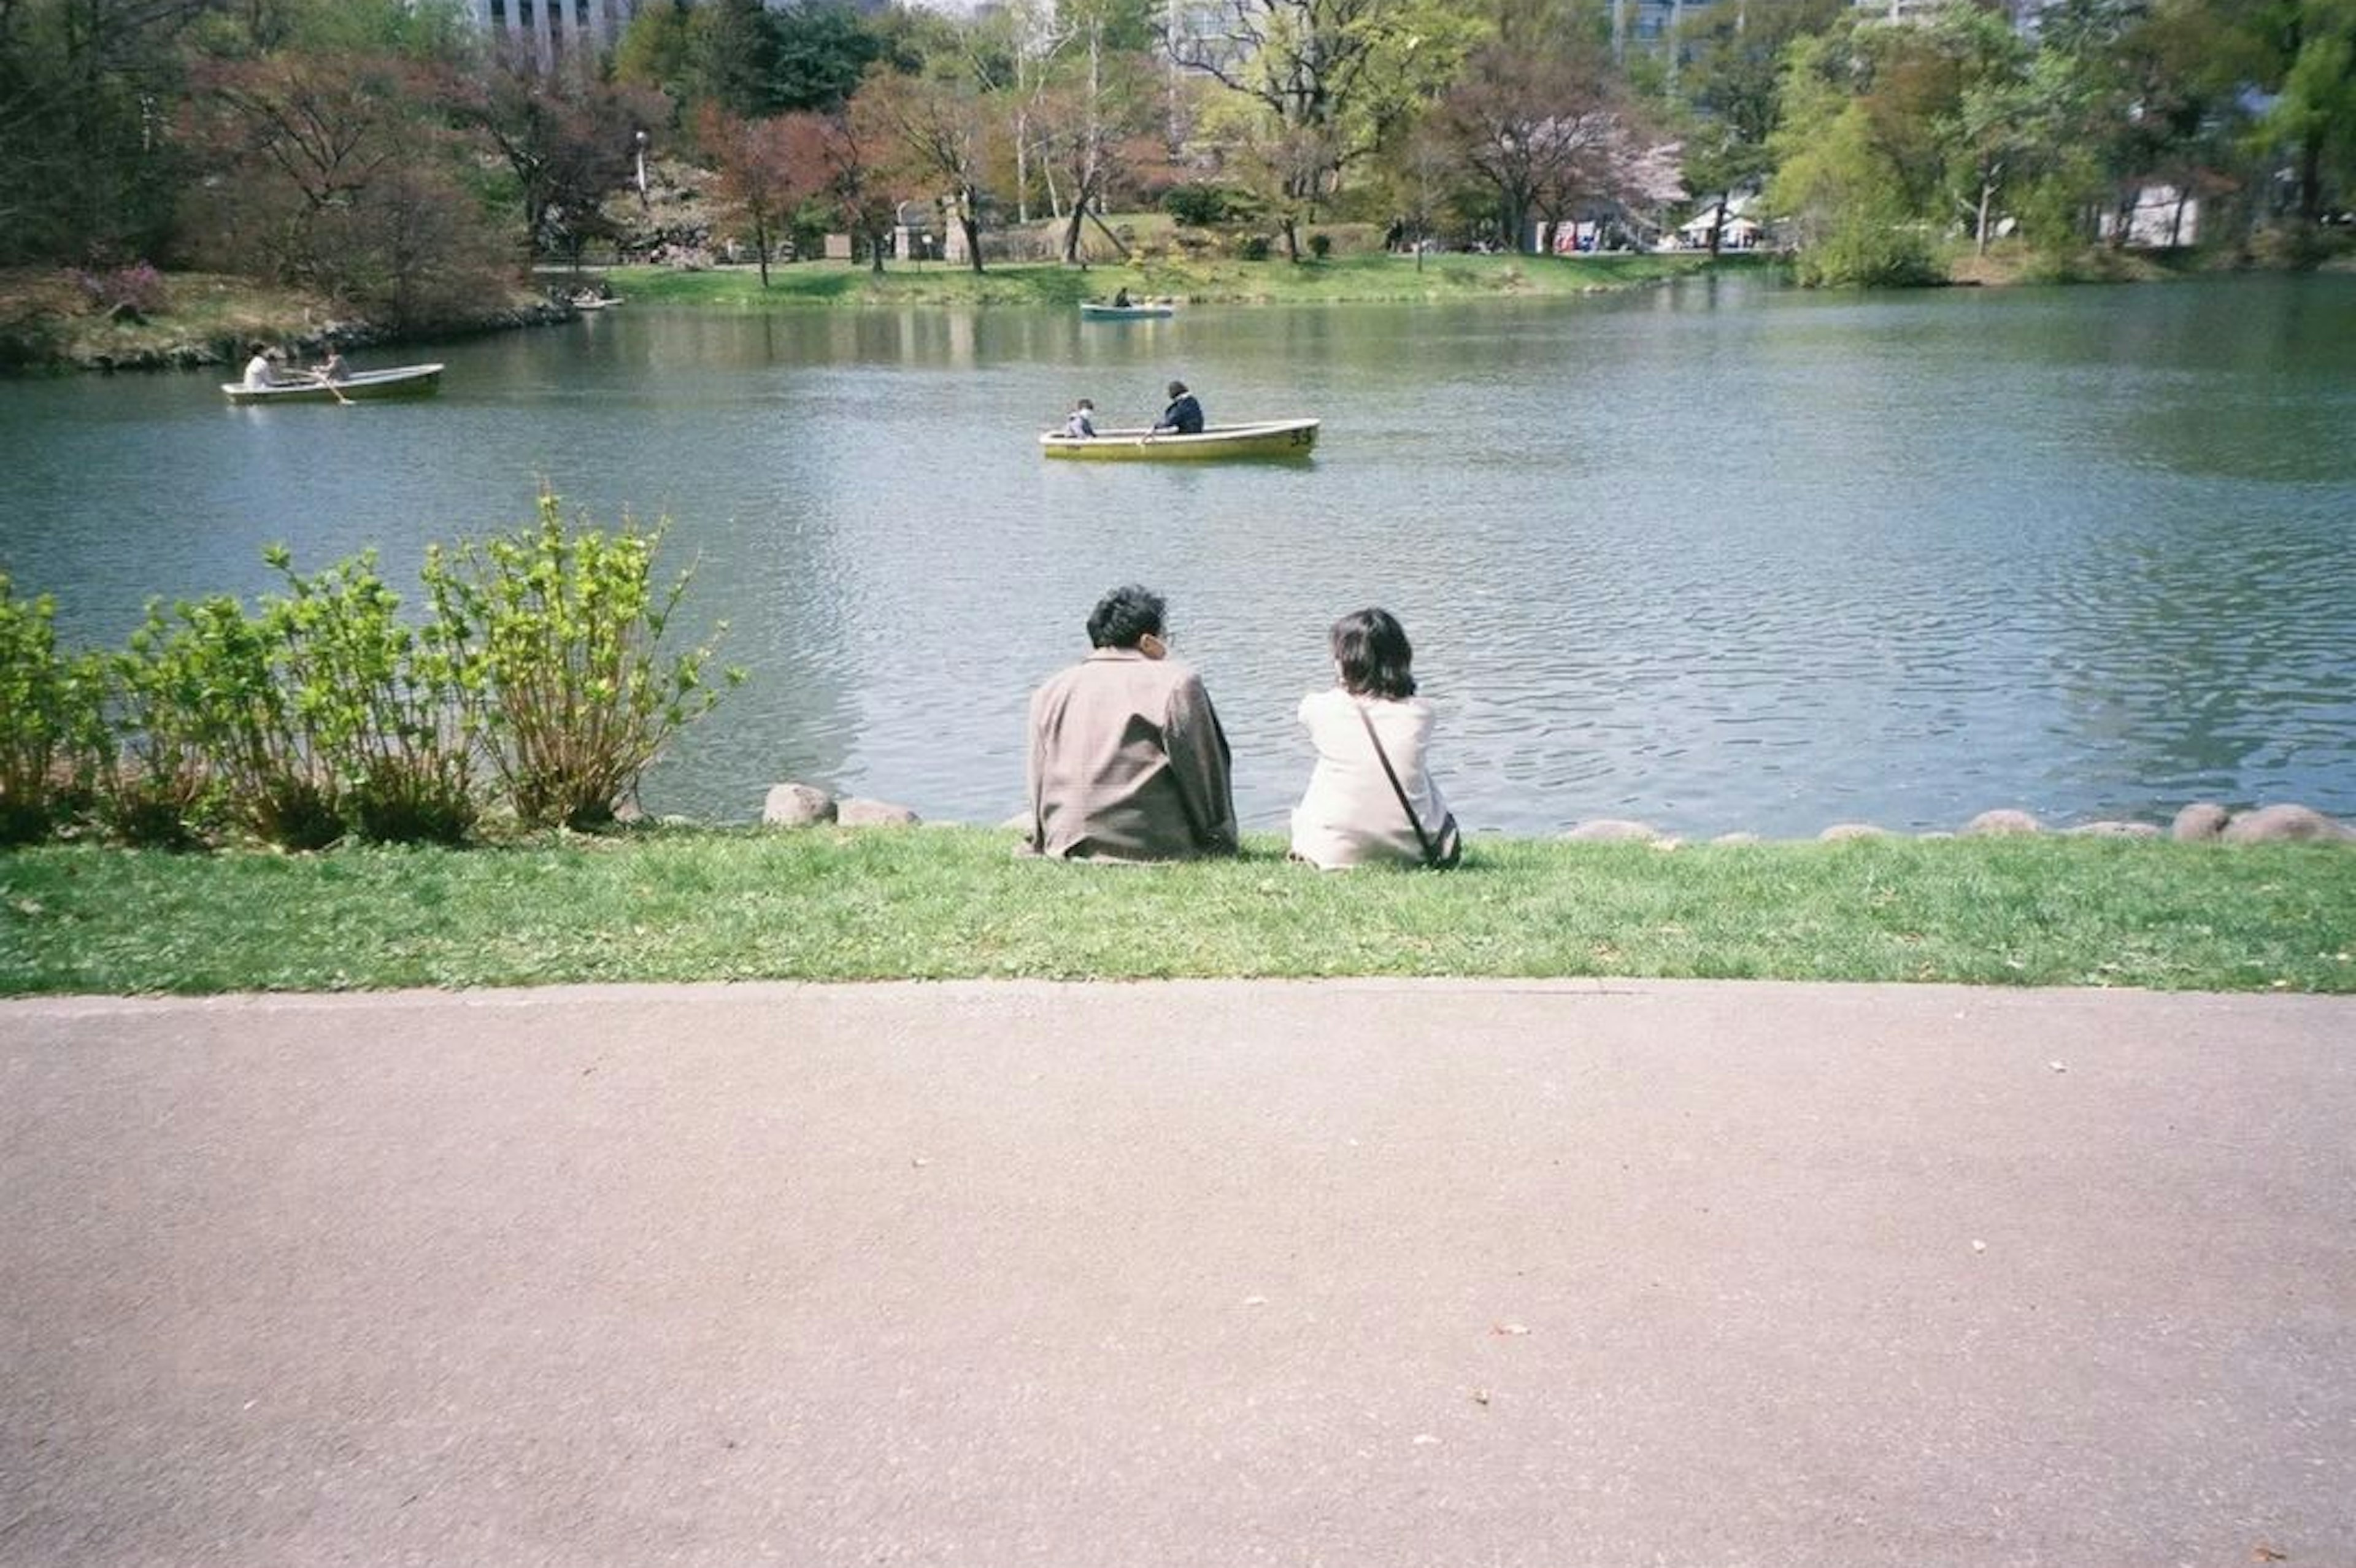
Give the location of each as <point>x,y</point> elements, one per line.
<point>1127,760</point>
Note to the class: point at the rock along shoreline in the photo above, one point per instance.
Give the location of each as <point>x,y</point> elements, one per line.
<point>796,805</point>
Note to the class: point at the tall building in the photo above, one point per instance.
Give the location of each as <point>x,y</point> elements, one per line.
<point>544,29</point>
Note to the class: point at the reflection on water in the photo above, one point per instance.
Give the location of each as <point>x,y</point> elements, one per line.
<point>1717,556</point>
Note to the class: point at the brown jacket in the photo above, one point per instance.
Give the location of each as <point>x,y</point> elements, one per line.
<point>1128,762</point>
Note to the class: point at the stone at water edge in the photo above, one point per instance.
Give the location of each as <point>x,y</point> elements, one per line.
<point>2001,821</point>
<point>796,805</point>
<point>1840,832</point>
<point>2115,830</point>
<point>2198,823</point>
<point>853,812</point>
<point>2286,824</point>
<point>1612,830</point>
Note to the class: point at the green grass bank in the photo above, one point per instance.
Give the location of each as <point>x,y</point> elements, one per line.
<point>700,904</point>
<point>1339,279</point>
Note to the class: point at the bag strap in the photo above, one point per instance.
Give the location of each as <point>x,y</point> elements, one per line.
<point>1422,840</point>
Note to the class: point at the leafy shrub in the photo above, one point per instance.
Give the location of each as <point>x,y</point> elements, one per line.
<point>49,713</point>
<point>375,707</point>
<point>1254,248</point>
<point>1199,206</point>
<point>153,771</point>
<point>555,634</point>
<point>138,289</point>
<point>1320,245</point>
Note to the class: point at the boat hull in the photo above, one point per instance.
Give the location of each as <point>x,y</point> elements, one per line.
<point>1126,312</point>
<point>1269,438</point>
<point>363,386</point>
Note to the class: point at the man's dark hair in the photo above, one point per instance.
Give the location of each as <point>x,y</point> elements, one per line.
<point>1372,648</point>
<point>1124,616</point>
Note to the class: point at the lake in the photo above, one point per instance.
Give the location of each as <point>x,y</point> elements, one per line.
<point>1718,555</point>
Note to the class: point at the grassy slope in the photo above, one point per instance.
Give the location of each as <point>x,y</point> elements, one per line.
<point>1344,278</point>
<point>703,904</point>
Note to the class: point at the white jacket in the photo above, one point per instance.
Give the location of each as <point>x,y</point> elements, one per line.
<point>1350,813</point>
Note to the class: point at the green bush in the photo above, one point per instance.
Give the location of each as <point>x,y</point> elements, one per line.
<point>321,712</point>
<point>379,708</point>
<point>555,634</point>
<point>1198,206</point>
<point>1254,248</point>
<point>49,713</point>
<point>167,693</point>
<point>1320,245</point>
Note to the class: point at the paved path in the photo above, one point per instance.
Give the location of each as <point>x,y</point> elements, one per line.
<point>1345,1274</point>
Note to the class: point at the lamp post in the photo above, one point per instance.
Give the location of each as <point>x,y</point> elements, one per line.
<point>641,138</point>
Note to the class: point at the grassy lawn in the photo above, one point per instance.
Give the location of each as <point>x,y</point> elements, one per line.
<point>678,904</point>
<point>1343,279</point>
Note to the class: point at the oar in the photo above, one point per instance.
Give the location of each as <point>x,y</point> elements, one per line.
<point>321,377</point>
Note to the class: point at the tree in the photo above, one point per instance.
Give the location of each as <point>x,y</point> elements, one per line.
<point>820,51</point>
<point>936,124</point>
<point>1836,181</point>
<point>332,175</point>
<point>1735,99</point>
<point>568,137</point>
<point>1087,118</point>
<point>1333,77</point>
<point>2314,112</point>
<point>1539,133</point>
<point>762,174</point>
<point>852,176</point>
<point>84,90</point>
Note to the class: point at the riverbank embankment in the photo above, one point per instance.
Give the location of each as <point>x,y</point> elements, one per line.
<point>670,903</point>
<point>49,320</point>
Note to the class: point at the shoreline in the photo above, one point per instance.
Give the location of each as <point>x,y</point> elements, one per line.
<point>45,329</point>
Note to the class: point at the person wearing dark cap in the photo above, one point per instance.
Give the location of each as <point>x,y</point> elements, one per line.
<point>1184,416</point>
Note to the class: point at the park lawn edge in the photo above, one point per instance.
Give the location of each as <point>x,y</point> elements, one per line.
<point>675,904</point>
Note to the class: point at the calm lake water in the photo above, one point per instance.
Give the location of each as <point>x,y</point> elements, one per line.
<point>1719,556</point>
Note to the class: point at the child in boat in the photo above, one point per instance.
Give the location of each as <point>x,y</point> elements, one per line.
<point>1082,421</point>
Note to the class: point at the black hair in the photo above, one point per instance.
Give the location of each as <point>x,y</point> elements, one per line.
<point>1177,388</point>
<point>1124,616</point>
<point>1372,648</point>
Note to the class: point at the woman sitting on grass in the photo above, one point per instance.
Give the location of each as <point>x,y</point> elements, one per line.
<point>1370,730</point>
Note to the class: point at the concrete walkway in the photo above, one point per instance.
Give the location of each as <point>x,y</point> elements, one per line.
<point>1343,1273</point>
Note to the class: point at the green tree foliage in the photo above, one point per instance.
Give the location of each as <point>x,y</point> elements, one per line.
<point>2313,116</point>
<point>820,52</point>
<point>86,91</point>
<point>1839,186</point>
<point>1331,78</point>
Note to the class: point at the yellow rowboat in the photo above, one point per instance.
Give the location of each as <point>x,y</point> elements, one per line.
<point>361,386</point>
<point>1269,438</point>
